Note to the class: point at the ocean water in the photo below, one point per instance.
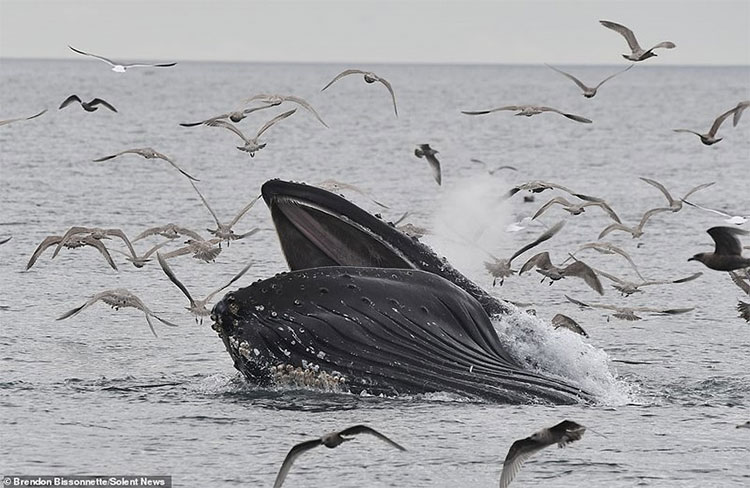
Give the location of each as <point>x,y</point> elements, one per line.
<point>98,394</point>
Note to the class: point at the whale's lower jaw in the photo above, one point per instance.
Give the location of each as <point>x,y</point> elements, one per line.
<point>383,331</point>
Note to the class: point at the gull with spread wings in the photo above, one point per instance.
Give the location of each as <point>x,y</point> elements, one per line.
<point>273,100</point>
<point>251,145</point>
<point>588,91</point>
<point>147,153</point>
<point>528,111</point>
<point>224,231</point>
<point>121,68</point>
<point>637,52</point>
<point>709,138</point>
<point>370,77</point>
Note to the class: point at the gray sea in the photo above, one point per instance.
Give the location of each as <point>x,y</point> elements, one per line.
<point>99,394</point>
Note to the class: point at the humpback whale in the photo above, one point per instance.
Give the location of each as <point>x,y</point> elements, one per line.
<point>366,308</point>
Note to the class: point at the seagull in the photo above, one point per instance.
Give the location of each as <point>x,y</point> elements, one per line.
<point>588,91</point>
<point>370,77</point>
<point>147,153</point>
<point>121,68</point>
<point>72,243</point>
<point>224,231</point>
<point>425,151</point>
<point>337,186</point>
<point>140,261</point>
<point>10,121</point>
<point>330,440</point>
<point>710,137</point>
<point>738,111</point>
<point>197,307</point>
<point>495,170</point>
<point>609,248</point>
<point>637,52</point>
<point>746,425</point>
<point>537,186</point>
<point>628,313</point>
<point>636,231</point>
<point>234,116</point>
<point>560,320</point>
<point>274,100</point>
<point>727,255</point>
<point>95,232</point>
<point>91,106</point>
<point>251,145</point>
<point>561,434</point>
<point>528,111</point>
<point>577,208</point>
<point>730,219</point>
<point>675,205</point>
<point>119,298</point>
<point>554,273</point>
<point>170,231</point>
<point>500,268</point>
<point>627,288</point>
<point>200,248</point>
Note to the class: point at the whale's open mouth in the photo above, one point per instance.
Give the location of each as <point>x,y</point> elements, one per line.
<point>317,228</point>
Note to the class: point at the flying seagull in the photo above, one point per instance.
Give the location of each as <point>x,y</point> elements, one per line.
<point>331,440</point>
<point>251,145</point>
<point>140,261</point>
<point>528,111</point>
<point>234,116</point>
<point>537,186</point>
<point>727,255</point>
<point>493,170</point>
<point>730,219</point>
<point>370,77</point>
<point>119,298</point>
<point>121,68</point>
<point>561,434</point>
<point>710,138</point>
<point>224,231</point>
<point>500,268</point>
<point>609,248</point>
<point>636,231</point>
<point>201,249</point>
<point>588,91</point>
<point>637,52</point>
<point>10,121</point>
<point>628,313</point>
<point>72,243</point>
<point>577,208</point>
<point>91,106</point>
<point>675,205</point>
<point>578,269</point>
<point>274,100</point>
<point>560,320</point>
<point>147,153</point>
<point>627,288</point>
<point>95,232</point>
<point>170,231</point>
<point>425,151</point>
<point>197,307</point>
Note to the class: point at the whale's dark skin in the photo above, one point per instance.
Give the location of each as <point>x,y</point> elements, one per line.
<point>369,308</point>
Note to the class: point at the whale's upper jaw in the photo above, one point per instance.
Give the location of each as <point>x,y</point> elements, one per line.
<point>317,228</point>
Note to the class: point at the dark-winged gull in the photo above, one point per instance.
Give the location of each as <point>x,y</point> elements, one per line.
<point>91,106</point>
<point>727,255</point>
<point>578,269</point>
<point>425,151</point>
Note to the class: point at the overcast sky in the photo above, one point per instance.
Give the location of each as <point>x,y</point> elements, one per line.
<point>362,31</point>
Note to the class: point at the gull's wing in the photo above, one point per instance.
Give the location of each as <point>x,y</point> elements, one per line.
<point>698,188</point>
<point>585,272</point>
<point>610,277</point>
<point>435,167</point>
<point>342,74</point>
<point>154,249</point>
<point>664,44</point>
<point>667,282</point>
<point>228,126</point>
<point>739,281</point>
<point>99,101</point>
<point>578,302</point>
<point>89,302</point>
<point>71,232</point>
<point>547,235</point>
<point>625,32</point>
<point>659,187</point>
<point>482,112</point>
<point>390,89</point>
<point>738,112</point>
<point>68,101</point>
<point>46,243</point>
<point>188,176</point>
<point>213,214</point>
<point>147,65</point>
<point>178,252</point>
<point>244,211</point>
<point>612,76</point>
<point>274,120</point>
<point>720,120</point>
<point>363,429</point>
<point>119,233</point>
<point>727,242</point>
<point>304,103</point>
<point>10,121</point>
<point>577,118</point>
<point>127,151</point>
<point>604,206</point>
<point>718,212</point>
<point>667,311</point>
<point>99,245</point>
<point>519,452</point>
<point>612,227</point>
<point>560,200</point>
<point>540,260</point>
<point>106,60</point>
<point>571,77</point>
<point>236,277</point>
<point>650,213</point>
<point>687,130</point>
<point>612,248</point>
<point>170,274</point>
<point>293,454</point>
